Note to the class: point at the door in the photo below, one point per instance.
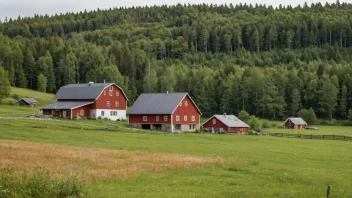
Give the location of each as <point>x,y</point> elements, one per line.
<point>64,114</point>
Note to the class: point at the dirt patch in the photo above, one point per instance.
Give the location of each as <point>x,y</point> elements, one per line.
<point>93,163</point>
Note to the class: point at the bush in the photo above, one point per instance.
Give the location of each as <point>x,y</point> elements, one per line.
<point>254,124</point>
<point>244,116</point>
<point>99,118</point>
<point>273,124</point>
<point>38,183</point>
<point>329,122</point>
<point>265,125</point>
<point>16,96</point>
<point>251,132</point>
<point>308,115</point>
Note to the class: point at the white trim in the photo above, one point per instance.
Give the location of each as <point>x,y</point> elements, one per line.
<point>193,118</point>
<point>166,118</point>
<point>109,84</point>
<point>213,121</point>
<point>82,105</point>
<point>146,118</point>
<point>157,118</point>
<point>177,118</point>
<point>80,112</point>
<point>185,118</point>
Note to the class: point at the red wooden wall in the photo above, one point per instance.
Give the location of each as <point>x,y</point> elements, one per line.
<point>151,119</point>
<point>76,111</point>
<point>100,102</point>
<point>218,124</point>
<point>189,110</point>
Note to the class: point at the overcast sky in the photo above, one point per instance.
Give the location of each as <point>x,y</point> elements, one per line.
<point>13,8</point>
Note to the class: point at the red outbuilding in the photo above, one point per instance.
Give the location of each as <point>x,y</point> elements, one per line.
<point>105,100</point>
<point>225,123</point>
<point>165,112</point>
<point>295,123</point>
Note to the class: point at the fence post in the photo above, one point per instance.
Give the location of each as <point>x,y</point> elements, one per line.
<point>328,192</point>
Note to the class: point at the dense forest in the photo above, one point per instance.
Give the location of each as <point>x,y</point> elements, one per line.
<point>271,62</point>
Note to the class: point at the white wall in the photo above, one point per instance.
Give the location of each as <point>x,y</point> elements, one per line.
<point>121,114</point>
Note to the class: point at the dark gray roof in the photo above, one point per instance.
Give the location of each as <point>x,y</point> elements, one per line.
<point>28,100</point>
<point>65,105</point>
<point>230,120</point>
<point>157,103</point>
<point>297,121</point>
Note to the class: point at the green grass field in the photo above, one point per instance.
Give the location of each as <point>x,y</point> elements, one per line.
<point>11,110</point>
<point>259,166</point>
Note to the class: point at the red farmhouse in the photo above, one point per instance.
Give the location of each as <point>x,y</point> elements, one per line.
<point>105,100</point>
<point>165,112</point>
<point>225,123</point>
<point>295,123</point>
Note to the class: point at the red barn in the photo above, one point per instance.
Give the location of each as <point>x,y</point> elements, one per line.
<point>225,123</point>
<point>165,112</point>
<point>295,123</point>
<point>105,100</point>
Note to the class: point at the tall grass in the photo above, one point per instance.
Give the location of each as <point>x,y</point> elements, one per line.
<point>38,183</point>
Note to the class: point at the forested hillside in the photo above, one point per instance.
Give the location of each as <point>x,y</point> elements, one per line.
<point>270,62</point>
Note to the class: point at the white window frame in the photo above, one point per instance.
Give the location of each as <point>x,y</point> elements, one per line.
<point>177,118</point>
<point>108,103</point>
<point>110,92</point>
<point>186,103</point>
<point>104,93</point>
<point>241,129</point>
<point>214,121</point>
<point>157,118</point>
<point>193,118</point>
<point>111,88</point>
<point>117,93</point>
<point>117,104</point>
<point>185,118</point>
<point>102,113</point>
<point>145,118</point>
<point>81,112</point>
<point>165,118</point>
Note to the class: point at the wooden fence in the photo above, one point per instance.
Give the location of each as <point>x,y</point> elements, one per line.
<point>311,136</point>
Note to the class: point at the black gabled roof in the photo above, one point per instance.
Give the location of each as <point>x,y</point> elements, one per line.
<point>157,103</point>
<point>89,91</point>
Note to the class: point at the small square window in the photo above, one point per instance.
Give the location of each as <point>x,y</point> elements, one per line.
<point>117,93</point>
<point>104,93</point>
<point>241,129</point>
<point>117,104</point>
<point>110,92</point>
<point>111,88</point>
<point>145,118</point>
<point>165,118</point>
<point>185,118</point>
<point>108,103</point>
<point>157,118</point>
<point>81,112</point>
<point>193,118</point>
<point>177,118</point>
<point>186,103</point>
<point>214,121</point>
<point>102,113</point>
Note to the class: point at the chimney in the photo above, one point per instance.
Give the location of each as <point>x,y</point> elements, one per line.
<point>167,92</point>
<point>90,83</point>
<point>104,81</point>
<point>224,114</point>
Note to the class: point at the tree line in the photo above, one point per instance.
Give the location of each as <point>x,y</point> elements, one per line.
<point>269,62</point>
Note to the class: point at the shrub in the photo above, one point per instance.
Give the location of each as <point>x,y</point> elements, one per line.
<point>265,124</point>
<point>308,115</point>
<point>254,123</point>
<point>16,96</point>
<point>329,122</point>
<point>244,116</point>
<point>38,183</point>
<point>251,132</point>
<point>99,118</point>
<point>273,124</point>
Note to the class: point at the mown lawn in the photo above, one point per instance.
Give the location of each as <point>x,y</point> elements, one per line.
<point>322,130</point>
<point>259,167</point>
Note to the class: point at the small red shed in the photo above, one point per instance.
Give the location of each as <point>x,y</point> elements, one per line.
<point>225,123</point>
<point>295,123</point>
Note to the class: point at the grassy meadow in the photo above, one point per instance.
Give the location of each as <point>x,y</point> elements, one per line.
<point>245,166</point>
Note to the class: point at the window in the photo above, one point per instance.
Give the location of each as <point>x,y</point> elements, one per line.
<point>177,126</point>
<point>186,103</point>
<point>241,129</point>
<point>102,113</point>
<point>157,118</point>
<point>104,93</point>
<point>177,118</point>
<point>214,121</point>
<point>193,118</point>
<point>190,126</point>
<point>185,118</point>
<point>145,118</point>
<point>81,112</point>
<point>108,103</point>
<point>111,88</point>
<point>117,93</point>
<point>165,118</point>
<point>110,92</point>
<point>113,113</point>
<point>117,104</point>
<point>194,126</point>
